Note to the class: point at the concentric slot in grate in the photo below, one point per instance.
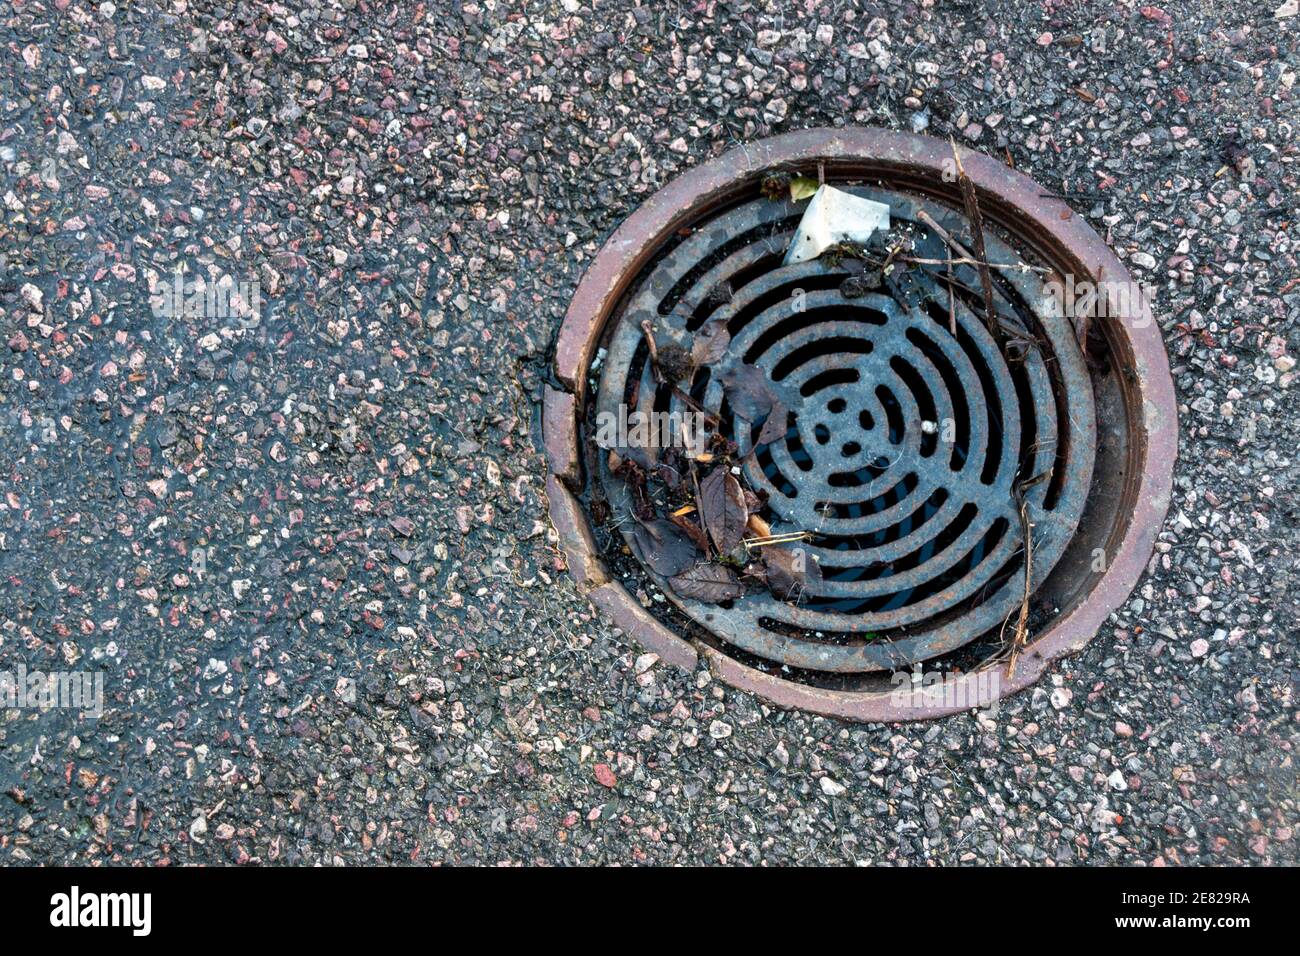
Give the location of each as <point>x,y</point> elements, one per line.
<point>905,444</point>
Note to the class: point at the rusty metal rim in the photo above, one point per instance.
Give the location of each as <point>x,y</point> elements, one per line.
<point>1010,200</point>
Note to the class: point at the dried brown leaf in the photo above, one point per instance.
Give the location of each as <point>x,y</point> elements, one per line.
<point>723,510</point>
<point>663,548</point>
<point>790,571</point>
<point>776,425</point>
<point>712,583</point>
<point>748,392</point>
<point>693,531</point>
<point>711,342</point>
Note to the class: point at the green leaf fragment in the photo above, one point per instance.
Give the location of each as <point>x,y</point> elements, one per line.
<point>802,187</point>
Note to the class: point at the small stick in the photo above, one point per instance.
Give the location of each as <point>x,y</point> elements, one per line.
<point>788,538</point>
<point>1026,530</point>
<point>977,239</point>
<point>943,234</point>
<point>964,258</point>
<point>1013,331</point>
<point>654,351</point>
<point>1082,323</point>
<point>695,482</point>
<point>695,406</point>
<point>1022,629</point>
<point>967,261</point>
<point>952,305</point>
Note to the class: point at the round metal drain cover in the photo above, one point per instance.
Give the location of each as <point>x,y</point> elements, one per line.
<point>847,464</point>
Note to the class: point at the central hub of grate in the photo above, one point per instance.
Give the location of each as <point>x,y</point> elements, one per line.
<point>906,439</point>
<point>822,476</point>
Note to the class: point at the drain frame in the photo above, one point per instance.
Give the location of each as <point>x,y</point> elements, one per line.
<point>1137,500</point>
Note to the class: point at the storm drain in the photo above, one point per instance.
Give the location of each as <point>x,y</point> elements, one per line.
<point>883,483</point>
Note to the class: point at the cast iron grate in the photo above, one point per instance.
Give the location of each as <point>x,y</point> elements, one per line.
<point>911,434</point>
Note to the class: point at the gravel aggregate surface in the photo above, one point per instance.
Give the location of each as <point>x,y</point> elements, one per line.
<point>305,541</point>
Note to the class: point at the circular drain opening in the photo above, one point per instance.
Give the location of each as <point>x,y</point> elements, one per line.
<point>884,448</point>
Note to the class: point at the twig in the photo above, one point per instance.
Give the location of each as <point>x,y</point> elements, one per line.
<point>952,305</point>
<point>977,240</point>
<point>943,234</point>
<point>1022,620</point>
<point>788,537</point>
<point>1082,330</point>
<point>695,483</point>
<point>1015,332</point>
<point>1026,531</point>
<point>893,253</point>
<point>654,351</point>
<point>695,406</point>
<point>968,261</point>
<point>1081,325</point>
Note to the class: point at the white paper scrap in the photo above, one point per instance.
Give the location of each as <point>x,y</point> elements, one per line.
<point>834,216</point>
